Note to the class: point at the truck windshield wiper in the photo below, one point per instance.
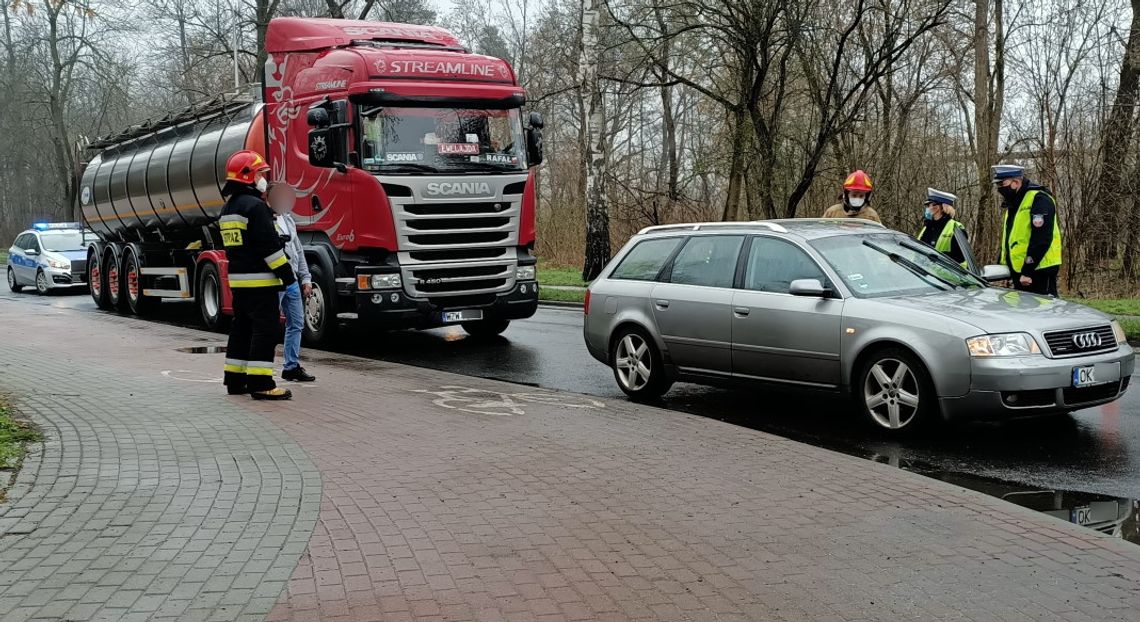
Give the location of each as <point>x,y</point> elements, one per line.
<point>909,265</point>
<point>405,167</point>
<point>488,166</point>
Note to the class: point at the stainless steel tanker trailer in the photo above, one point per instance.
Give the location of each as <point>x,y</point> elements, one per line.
<point>152,194</point>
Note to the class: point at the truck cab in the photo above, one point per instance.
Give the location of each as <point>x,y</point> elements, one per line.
<point>416,162</point>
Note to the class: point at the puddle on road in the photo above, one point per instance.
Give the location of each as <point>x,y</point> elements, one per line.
<point>1118,517</point>
<point>203,350</point>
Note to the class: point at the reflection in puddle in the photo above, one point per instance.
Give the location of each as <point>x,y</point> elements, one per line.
<point>1118,517</point>
<point>203,350</point>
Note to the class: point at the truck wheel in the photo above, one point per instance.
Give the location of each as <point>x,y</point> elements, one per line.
<point>97,281</point>
<point>12,283</point>
<point>210,298</point>
<point>320,308</point>
<point>137,303</point>
<point>485,329</point>
<point>114,280</point>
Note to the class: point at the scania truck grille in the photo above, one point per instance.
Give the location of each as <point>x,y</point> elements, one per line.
<point>457,236</point>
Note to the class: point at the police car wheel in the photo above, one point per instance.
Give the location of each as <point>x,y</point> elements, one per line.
<point>12,283</point>
<point>42,287</point>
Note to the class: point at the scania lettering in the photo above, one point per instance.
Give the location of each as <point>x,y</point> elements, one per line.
<point>414,161</point>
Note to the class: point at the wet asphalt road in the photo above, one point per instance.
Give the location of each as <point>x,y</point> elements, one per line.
<point>1093,451</point>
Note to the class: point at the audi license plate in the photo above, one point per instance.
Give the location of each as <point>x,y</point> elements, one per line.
<point>1093,375</point>
<point>466,315</point>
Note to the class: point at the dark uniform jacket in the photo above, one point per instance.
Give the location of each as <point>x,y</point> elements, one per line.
<point>932,229</point>
<point>254,249</point>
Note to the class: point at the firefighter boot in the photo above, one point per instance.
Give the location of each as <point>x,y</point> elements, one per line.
<point>276,395</point>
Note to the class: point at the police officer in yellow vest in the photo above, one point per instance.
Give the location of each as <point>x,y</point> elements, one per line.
<point>1031,235</point>
<point>938,225</point>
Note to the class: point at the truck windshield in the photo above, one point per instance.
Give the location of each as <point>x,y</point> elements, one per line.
<point>446,140</point>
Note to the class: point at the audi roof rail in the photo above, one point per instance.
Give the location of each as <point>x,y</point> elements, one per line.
<point>699,226</point>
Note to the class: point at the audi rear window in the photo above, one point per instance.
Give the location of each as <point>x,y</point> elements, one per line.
<point>644,261</point>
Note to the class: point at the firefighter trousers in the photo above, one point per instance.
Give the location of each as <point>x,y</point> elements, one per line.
<point>253,339</point>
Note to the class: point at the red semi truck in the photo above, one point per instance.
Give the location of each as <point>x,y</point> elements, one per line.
<point>413,161</point>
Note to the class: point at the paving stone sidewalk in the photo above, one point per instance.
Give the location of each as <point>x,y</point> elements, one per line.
<point>453,498</point>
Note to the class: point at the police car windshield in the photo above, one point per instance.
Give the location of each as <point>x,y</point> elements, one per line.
<point>887,264</point>
<point>449,140</point>
<point>61,241</point>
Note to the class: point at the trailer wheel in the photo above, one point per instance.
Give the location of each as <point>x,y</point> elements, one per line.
<point>320,308</point>
<point>210,297</point>
<point>137,303</point>
<point>97,280</point>
<point>114,280</point>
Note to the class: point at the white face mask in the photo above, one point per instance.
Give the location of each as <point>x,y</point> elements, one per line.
<point>856,202</point>
<point>262,185</point>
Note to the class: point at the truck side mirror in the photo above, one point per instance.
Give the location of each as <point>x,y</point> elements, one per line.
<point>534,147</point>
<point>319,118</point>
<point>325,148</point>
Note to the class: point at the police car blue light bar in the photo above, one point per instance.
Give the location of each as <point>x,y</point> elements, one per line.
<point>47,226</point>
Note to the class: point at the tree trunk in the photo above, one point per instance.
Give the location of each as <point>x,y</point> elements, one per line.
<point>670,164</point>
<point>989,96</point>
<point>1116,144</point>
<point>597,209</point>
<point>736,167</point>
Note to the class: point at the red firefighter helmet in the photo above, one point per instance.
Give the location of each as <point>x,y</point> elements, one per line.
<point>244,166</point>
<point>858,181</point>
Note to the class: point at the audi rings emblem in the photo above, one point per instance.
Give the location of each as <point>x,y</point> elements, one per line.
<point>1087,341</point>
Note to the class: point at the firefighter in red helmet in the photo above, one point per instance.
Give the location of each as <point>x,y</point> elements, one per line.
<point>856,199</point>
<point>258,269</point>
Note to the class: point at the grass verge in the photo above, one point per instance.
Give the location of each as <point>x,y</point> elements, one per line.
<point>561,295</point>
<point>560,275</point>
<point>1124,306</point>
<point>14,436</point>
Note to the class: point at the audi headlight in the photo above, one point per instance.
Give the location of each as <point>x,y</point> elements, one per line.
<point>1008,344</point>
<point>59,265</point>
<point>1118,331</point>
<point>524,273</point>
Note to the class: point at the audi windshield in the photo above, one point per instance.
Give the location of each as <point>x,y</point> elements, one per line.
<point>442,140</point>
<point>887,264</point>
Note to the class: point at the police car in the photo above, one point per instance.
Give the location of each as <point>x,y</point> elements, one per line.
<point>49,256</point>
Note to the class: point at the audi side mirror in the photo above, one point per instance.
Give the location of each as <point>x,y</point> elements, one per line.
<point>995,273</point>
<point>810,288</point>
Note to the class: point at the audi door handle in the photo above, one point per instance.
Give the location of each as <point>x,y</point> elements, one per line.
<point>662,304</point>
<point>741,311</point>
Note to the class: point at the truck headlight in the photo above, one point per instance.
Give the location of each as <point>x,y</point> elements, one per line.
<point>524,273</point>
<point>386,281</point>
<point>1118,331</point>
<point>1007,344</point>
<point>59,265</point>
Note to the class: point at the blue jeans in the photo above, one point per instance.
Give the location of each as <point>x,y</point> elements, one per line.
<point>294,312</point>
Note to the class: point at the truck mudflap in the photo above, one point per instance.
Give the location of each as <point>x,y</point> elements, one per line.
<point>394,309</point>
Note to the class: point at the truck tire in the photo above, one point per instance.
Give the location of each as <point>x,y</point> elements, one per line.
<point>320,309</point>
<point>486,329</point>
<point>97,280</point>
<point>137,303</point>
<point>209,295</point>
<point>113,279</point>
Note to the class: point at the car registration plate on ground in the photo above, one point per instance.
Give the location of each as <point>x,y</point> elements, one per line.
<point>1093,375</point>
<point>466,315</point>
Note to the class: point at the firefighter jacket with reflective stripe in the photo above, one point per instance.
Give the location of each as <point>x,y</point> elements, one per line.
<point>254,249</point>
<point>1031,237</point>
<point>944,242</point>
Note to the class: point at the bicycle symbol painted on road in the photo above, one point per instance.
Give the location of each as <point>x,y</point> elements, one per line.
<point>499,404</point>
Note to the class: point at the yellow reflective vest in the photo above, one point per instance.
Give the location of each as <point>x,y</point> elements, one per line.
<point>1015,243</point>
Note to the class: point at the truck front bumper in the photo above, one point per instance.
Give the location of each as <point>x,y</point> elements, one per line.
<point>394,308</point>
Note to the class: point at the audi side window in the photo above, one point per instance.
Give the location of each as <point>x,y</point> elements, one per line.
<point>773,264</point>
<point>644,261</point>
<point>707,260</point>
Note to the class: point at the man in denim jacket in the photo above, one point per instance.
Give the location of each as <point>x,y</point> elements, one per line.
<point>281,198</point>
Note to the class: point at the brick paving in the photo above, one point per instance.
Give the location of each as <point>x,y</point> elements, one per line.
<point>453,498</point>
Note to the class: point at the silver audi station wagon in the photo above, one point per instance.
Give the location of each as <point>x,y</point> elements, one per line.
<point>845,305</point>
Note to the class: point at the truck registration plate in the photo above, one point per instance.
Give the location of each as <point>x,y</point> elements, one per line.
<point>466,315</point>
